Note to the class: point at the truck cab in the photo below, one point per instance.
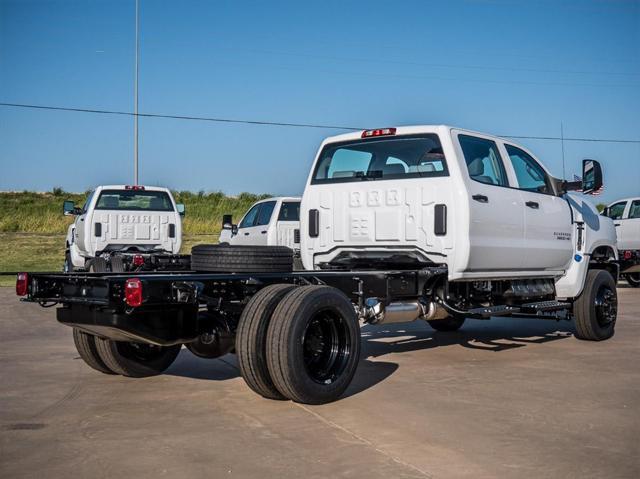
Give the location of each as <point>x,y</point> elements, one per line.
<point>119,220</point>
<point>482,205</point>
<point>269,222</point>
<point>625,214</point>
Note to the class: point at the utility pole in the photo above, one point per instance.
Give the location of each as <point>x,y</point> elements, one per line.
<point>564,177</point>
<point>135,99</point>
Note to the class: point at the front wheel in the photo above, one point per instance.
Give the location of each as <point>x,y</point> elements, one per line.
<point>633,279</point>
<point>596,309</point>
<point>136,360</point>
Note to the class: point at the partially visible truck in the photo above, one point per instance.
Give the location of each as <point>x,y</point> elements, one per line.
<point>125,228</point>
<point>625,214</point>
<point>422,223</point>
<point>269,222</point>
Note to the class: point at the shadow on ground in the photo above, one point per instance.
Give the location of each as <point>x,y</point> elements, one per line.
<point>498,335</point>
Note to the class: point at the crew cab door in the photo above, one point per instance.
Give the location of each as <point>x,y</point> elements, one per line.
<point>254,227</point>
<point>548,229</point>
<point>628,227</point>
<point>496,211</point>
<point>81,222</point>
<point>288,220</point>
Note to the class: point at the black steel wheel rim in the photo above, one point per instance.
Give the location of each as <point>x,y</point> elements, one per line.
<point>606,303</point>
<point>326,347</point>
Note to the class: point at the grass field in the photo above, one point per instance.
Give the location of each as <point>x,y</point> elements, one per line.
<point>33,229</point>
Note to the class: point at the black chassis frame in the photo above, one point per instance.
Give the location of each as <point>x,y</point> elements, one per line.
<point>178,307</point>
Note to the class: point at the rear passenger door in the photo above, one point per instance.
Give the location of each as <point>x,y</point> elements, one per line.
<point>628,228</point>
<point>547,221</point>
<point>496,217</point>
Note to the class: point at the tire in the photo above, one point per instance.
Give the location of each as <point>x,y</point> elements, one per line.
<point>633,279</point>
<point>68,267</point>
<point>241,259</point>
<point>448,324</point>
<point>251,339</point>
<point>97,265</point>
<point>86,347</point>
<point>136,360</point>
<point>313,344</point>
<point>596,309</point>
<point>117,264</point>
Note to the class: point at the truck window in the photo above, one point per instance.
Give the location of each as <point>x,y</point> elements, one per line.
<point>264,215</point>
<point>416,156</point>
<point>483,160</point>
<point>617,210</point>
<point>134,200</point>
<point>531,176</point>
<point>634,211</point>
<point>250,218</point>
<point>289,211</point>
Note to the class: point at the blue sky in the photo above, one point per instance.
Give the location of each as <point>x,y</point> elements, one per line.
<point>504,67</point>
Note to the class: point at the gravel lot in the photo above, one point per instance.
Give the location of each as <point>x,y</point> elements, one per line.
<point>500,398</point>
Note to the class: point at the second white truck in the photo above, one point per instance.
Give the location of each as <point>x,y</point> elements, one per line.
<point>625,214</point>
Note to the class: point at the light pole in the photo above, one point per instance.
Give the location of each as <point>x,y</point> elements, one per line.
<point>135,99</point>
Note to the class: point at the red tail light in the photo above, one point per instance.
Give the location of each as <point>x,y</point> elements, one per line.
<point>138,260</point>
<point>133,292</point>
<point>22,284</point>
<point>378,132</point>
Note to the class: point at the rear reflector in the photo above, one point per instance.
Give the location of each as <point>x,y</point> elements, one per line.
<point>378,132</point>
<point>22,284</point>
<point>133,292</point>
<point>627,254</point>
<point>134,187</point>
<point>138,260</point>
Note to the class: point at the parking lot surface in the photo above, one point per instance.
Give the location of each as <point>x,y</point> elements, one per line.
<point>499,398</point>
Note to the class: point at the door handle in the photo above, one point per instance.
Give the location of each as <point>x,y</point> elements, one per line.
<point>264,232</point>
<point>481,198</point>
<point>616,224</point>
<point>532,204</point>
<point>246,234</point>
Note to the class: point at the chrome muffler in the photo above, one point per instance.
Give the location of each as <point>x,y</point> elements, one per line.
<point>376,312</point>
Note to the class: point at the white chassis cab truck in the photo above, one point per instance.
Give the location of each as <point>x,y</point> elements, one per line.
<point>125,228</point>
<point>626,218</point>
<point>269,222</point>
<point>427,223</point>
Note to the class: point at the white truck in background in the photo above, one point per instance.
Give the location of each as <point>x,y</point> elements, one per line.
<point>625,214</point>
<point>269,222</point>
<point>125,228</point>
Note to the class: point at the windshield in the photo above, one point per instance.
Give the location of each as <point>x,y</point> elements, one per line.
<point>134,200</point>
<point>381,159</point>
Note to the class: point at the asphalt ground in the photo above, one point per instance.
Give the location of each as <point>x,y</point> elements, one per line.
<point>501,398</point>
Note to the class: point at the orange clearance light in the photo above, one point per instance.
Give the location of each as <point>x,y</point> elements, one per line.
<point>22,284</point>
<point>378,132</point>
<point>133,292</point>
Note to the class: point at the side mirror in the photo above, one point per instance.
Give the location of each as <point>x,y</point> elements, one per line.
<point>605,211</point>
<point>591,177</point>
<point>180,209</point>
<point>68,208</point>
<point>227,222</point>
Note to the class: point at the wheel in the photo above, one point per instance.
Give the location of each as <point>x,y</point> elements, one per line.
<point>251,339</point>
<point>596,309</point>
<point>241,259</point>
<point>117,264</point>
<point>136,360</point>
<point>68,264</point>
<point>97,265</point>
<point>447,324</point>
<point>633,279</point>
<point>86,347</point>
<point>313,344</point>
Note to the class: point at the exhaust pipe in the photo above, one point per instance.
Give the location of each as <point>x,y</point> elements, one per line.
<point>401,311</point>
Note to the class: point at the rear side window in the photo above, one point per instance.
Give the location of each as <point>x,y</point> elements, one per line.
<point>634,211</point>
<point>289,211</point>
<point>414,156</point>
<point>264,215</point>
<point>134,200</point>
<point>531,176</point>
<point>617,210</point>
<point>483,160</point>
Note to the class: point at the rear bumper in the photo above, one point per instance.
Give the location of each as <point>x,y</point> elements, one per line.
<point>174,325</point>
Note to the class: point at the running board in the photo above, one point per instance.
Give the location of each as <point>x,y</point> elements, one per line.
<point>541,308</point>
<point>544,307</point>
<point>486,313</point>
